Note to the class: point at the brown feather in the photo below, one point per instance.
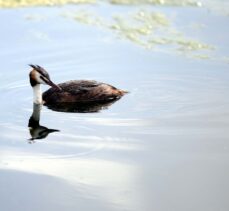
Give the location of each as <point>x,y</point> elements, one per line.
<point>82,91</point>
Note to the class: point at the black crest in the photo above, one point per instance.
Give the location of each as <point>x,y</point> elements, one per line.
<point>41,70</point>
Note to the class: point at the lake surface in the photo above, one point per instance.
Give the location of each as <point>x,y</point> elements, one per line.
<point>164,146</point>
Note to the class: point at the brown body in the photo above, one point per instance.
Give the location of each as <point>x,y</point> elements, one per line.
<point>82,91</point>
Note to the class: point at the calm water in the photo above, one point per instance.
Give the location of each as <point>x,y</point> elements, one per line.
<point>164,146</point>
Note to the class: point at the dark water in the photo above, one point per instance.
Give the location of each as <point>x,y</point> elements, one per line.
<point>164,146</point>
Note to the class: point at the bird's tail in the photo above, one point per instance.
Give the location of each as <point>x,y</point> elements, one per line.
<point>123,92</point>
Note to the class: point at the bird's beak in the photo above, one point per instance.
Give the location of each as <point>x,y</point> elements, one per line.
<point>55,86</point>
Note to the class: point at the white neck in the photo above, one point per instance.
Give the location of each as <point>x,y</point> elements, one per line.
<point>37,95</point>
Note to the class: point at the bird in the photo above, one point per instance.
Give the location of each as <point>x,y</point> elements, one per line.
<point>73,91</point>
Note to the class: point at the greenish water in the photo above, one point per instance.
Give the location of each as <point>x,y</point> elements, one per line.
<point>22,3</point>
<point>164,146</point>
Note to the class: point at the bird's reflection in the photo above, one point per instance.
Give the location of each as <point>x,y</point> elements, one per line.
<point>36,130</point>
<point>87,107</point>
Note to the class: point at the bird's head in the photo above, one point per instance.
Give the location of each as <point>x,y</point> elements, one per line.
<point>38,75</point>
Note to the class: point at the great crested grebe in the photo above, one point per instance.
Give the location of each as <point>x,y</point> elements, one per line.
<point>75,91</point>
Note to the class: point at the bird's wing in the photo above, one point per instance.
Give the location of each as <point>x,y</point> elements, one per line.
<point>78,87</point>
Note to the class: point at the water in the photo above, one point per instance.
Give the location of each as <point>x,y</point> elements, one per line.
<point>163,146</point>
